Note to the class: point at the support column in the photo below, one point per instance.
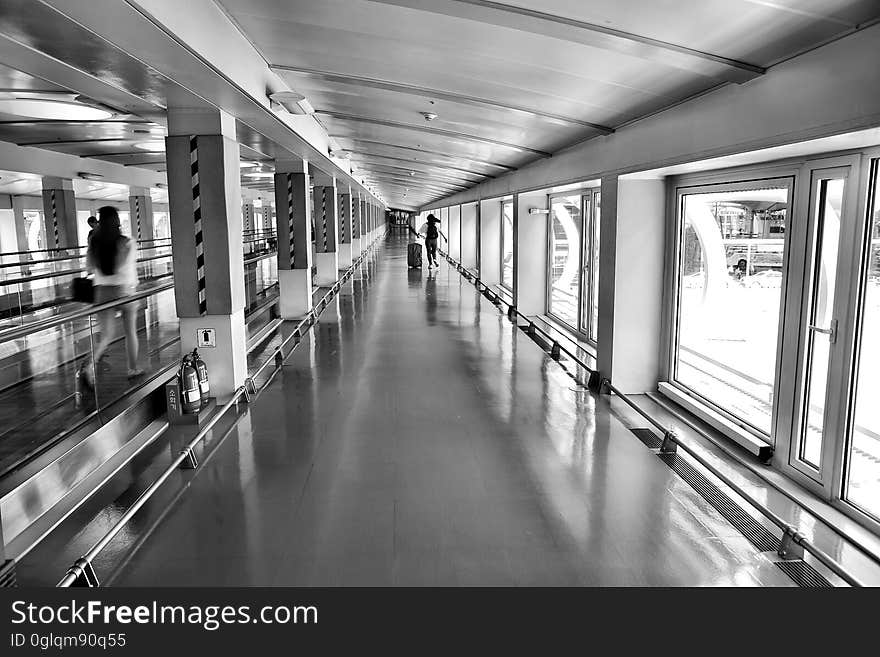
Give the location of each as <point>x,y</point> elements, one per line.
<point>140,206</point>
<point>204,192</point>
<point>248,224</point>
<point>345,236</point>
<point>294,231</point>
<point>326,225</point>
<point>530,253</point>
<point>356,236</point>
<point>631,252</point>
<point>59,213</point>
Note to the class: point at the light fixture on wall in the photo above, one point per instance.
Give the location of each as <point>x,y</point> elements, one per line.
<point>293,102</point>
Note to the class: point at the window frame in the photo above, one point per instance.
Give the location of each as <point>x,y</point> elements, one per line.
<point>501,283</point>
<point>715,182</point>
<point>572,328</point>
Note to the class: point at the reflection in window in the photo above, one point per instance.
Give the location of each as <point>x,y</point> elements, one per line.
<point>591,310</point>
<point>507,245</point>
<point>862,484</point>
<point>34,231</point>
<point>565,258</point>
<point>729,290</point>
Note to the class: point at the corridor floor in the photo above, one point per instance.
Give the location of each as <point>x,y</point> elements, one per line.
<point>417,438</point>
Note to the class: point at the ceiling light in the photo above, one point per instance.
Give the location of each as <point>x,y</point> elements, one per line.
<point>293,102</point>
<point>429,116</point>
<point>57,110</point>
<point>154,146</point>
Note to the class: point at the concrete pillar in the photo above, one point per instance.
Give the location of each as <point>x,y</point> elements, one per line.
<point>20,234</point>
<point>294,231</point>
<point>326,239</point>
<point>631,255</point>
<point>454,233</point>
<point>356,235</point>
<point>204,192</point>
<point>530,253</point>
<point>469,252</point>
<point>343,197</point>
<point>59,213</point>
<point>248,219</point>
<point>140,206</point>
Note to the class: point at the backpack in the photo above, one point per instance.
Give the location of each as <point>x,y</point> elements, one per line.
<point>432,233</point>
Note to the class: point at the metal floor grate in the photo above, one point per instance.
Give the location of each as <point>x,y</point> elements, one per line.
<point>648,437</point>
<point>762,538</point>
<point>804,574</point>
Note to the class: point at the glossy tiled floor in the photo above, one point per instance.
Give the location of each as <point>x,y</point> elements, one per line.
<point>419,439</point>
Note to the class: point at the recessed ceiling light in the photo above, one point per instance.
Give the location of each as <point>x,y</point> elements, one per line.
<point>57,110</point>
<point>154,146</point>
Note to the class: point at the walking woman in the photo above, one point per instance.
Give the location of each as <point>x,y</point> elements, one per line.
<point>112,259</point>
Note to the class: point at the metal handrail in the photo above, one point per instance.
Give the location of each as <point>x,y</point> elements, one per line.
<point>82,568</point>
<point>71,248</point>
<point>792,538</point>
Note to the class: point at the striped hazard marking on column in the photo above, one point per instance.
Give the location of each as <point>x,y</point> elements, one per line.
<point>54,217</point>
<point>137,215</point>
<point>290,215</point>
<point>197,224</point>
<point>342,216</point>
<point>324,217</point>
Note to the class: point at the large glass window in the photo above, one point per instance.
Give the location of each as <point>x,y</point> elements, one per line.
<point>862,480</point>
<point>507,244</point>
<point>590,305</point>
<point>566,227</point>
<point>731,246</point>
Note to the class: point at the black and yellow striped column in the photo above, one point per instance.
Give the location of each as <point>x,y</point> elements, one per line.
<point>204,194</point>
<point>293,223</point>
<point>59,214</point>
<point>326,233</point>
<point>343,196</point>
<point>140,207</point>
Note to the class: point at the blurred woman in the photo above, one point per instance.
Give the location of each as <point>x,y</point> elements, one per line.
<point>112,259</point>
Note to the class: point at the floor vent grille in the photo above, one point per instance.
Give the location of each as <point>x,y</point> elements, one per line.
<point>758,535</point>
<point>648,437</point>
<point>804,574</point>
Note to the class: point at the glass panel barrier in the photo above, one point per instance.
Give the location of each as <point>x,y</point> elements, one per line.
<point>862,475</point>
<point>566,225</point>
<point>507,245</point>
<point>731,247</point>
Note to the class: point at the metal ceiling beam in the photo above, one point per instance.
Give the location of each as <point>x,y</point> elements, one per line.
<point>427,92</point>
<point>449,134</point>
<point>412,161</point>
<point>414,183</point>
<point>497,165</point>
<point>67,142</point>
<point>588,34</point>
<point>368,165</point>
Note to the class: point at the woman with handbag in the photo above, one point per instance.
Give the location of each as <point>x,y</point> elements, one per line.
<point>112,259</point>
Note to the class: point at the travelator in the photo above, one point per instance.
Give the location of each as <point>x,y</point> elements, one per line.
<point>53,434</point>
<point>790,544</point>
<point>266,355</point>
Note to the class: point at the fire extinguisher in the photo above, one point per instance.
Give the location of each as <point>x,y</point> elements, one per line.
<point>202,372</point>
<point>191,398</point>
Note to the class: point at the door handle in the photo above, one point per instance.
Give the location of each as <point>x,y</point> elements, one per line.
<point>831,331</point>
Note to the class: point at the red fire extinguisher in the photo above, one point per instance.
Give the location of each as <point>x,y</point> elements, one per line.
<point>202,372</point>
<point>191,397</point>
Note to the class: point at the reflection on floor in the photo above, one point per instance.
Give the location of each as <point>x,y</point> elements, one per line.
<point>415,438</point>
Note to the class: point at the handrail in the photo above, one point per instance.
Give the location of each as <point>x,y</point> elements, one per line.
<point>82,570</point>
<point>80,270</point>
<point>70,248</point>
<point>792,538</point>
<point>50,322</point>
<point>34,263</point>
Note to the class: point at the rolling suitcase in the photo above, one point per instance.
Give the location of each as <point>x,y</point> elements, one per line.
<point>414,255</point>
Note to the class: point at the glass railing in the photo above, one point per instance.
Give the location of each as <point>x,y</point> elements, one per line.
<point>64,371</point>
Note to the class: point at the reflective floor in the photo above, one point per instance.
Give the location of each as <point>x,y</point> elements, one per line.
<point>416,438</point>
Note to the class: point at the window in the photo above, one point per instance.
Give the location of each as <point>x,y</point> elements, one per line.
<point>862,476</point>
<point>729,289</point>
<point>507,244</point>
<point>566,228</point>
<point>33,230</point>
<point>590,319</point>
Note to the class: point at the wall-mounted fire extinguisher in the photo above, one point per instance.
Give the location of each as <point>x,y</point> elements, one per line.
<point>190,395</point>
<point>202,372</point>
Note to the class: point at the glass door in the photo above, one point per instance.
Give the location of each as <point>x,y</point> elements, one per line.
<point>824,298</point>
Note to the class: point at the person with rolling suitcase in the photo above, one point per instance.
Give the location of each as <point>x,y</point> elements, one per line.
<point>432,233</point>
